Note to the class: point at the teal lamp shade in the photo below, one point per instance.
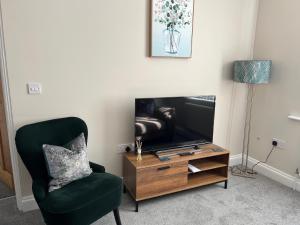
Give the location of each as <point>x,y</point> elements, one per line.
<point>252,71</point>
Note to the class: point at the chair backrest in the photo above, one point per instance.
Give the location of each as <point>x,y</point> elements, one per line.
<point>30,139</point>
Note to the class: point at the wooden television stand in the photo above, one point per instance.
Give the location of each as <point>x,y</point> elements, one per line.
<point>150,177</point>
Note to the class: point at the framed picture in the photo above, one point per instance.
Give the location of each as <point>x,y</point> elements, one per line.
<point>172,28</point>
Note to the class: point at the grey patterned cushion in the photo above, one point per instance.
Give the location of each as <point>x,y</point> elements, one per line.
<point>68,163</point>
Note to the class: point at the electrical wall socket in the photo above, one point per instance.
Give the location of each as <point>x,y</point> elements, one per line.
<point>280,143</point>
<point>122,147</point>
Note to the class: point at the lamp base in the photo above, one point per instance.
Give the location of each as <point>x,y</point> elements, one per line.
<point>243,171</point>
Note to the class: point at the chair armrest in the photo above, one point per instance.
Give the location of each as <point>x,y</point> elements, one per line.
<point>39,189</point>
<point>97,168</point>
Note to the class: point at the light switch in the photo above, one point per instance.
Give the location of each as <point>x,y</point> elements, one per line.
<point>34,88</point>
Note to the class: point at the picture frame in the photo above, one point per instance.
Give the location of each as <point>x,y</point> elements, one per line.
<point>172,28</point>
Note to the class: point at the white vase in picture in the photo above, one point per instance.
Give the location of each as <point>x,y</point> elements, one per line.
<point>172,40</point>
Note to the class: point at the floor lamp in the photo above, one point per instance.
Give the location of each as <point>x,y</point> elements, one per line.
<point>250,72</point>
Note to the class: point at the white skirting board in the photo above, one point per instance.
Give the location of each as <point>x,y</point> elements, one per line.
<point>235,160</point>
<point>276,174</point>
<point>28,202</point>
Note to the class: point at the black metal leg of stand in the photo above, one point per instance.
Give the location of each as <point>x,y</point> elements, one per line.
<point>136,206</point>
<point>124,189</point>
<point>225,185</point>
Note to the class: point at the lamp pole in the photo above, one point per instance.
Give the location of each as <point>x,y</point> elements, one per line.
<point>243,170</point>
<point>249,112</point>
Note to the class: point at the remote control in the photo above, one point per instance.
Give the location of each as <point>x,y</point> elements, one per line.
<point>218,150</point>
<point>164,158</point>
<point>185,153</point>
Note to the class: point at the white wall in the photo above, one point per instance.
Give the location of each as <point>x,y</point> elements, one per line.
<point>277,38</point>
<point>92,60</point>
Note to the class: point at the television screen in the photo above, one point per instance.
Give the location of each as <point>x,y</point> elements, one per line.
<point>165,123</point>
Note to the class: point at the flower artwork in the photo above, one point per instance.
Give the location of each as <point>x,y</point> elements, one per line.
<point>172,28</point>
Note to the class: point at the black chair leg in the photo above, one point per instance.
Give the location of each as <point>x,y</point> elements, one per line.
<point>117,217</point>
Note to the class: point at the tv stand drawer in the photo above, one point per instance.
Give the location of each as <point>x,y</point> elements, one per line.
<point>156,179</point>
<point>150,174</point>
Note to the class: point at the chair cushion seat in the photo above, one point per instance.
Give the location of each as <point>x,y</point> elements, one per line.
<point>82,201</point>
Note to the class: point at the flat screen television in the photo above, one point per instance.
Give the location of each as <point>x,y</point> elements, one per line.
<point>174,122</point>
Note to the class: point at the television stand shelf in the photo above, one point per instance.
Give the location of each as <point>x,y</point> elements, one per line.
<point>150,177</point>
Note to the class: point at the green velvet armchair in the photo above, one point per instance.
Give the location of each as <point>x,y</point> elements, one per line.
<point>81,202</point>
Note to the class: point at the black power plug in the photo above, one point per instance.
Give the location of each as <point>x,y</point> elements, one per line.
<point>127,149</point>
<point>274,143</point>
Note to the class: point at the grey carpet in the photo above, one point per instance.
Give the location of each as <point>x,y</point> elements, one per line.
<point>246,202</point>
<point>5,191</point>
<point>10,215</point>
